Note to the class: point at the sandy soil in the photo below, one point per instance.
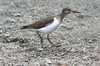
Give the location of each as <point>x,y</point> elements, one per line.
<point>78,35</point>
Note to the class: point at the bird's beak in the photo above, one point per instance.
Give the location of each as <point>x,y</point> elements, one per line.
<point>75,12</point>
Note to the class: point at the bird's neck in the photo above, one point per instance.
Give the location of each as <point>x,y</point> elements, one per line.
<point>60,17</point>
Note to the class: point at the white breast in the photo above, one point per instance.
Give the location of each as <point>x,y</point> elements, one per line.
<point>51,27</point>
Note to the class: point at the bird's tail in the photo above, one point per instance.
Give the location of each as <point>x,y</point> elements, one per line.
<point>28,27</point>
<point>24,27</point>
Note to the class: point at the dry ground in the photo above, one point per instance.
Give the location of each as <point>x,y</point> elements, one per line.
<point>78,35</point>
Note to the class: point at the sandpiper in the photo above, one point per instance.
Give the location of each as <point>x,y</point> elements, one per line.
<point>49,24</point>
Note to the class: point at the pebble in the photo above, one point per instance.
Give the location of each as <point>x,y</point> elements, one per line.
<point>47,61</point>
<point>1,31</point>
<point>34,63</point>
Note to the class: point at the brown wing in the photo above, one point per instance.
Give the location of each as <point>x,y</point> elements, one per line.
<point>39,24</point>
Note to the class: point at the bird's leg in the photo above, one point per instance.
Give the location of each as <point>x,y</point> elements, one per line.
<point>40,38</point>
<point>49,39</point>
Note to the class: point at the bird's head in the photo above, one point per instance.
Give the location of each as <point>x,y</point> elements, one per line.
<point>67,10</point>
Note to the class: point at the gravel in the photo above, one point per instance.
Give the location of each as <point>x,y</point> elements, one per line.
<point>78,36</point>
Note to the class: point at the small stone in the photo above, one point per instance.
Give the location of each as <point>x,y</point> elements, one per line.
<point>1,31</point>
<point>7,34</point>
<point>44,4</point>
<point>1,58</point>
<point>40,49</point>
<point>10,20</point>
<point>34,63</point>
<point>47,61</point>
<point>80,16</point>
<point>17,15</point>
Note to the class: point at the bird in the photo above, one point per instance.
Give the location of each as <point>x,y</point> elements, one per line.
<point>48,24</point>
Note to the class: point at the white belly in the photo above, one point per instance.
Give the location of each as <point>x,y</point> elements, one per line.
<point>51,27</point>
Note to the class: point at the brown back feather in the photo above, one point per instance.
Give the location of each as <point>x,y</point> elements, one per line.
<point>39,24</point>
